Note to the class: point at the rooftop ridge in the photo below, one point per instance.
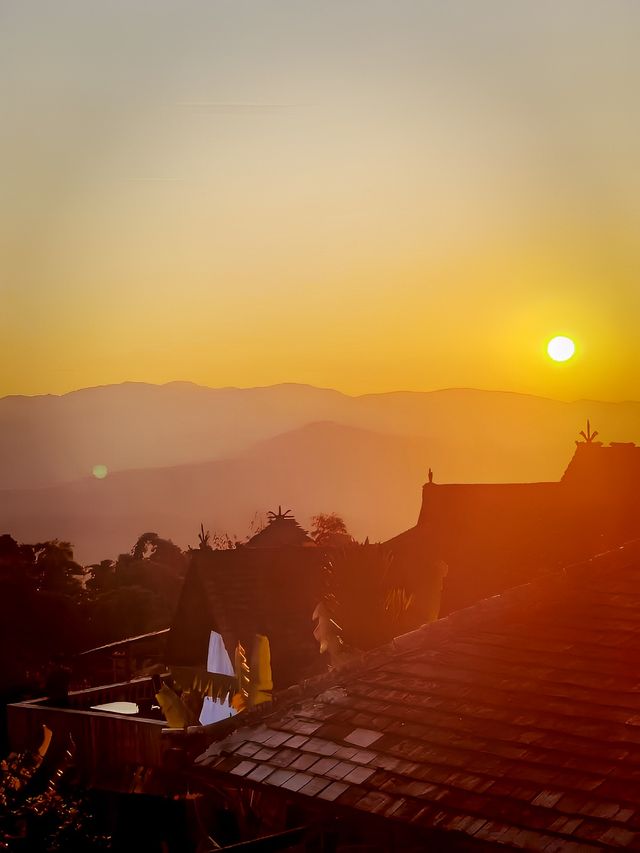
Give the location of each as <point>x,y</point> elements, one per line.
<point>404,644</point>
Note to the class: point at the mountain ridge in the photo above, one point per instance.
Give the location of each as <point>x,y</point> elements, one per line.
<point>400,391</point>
<point>257,446</point>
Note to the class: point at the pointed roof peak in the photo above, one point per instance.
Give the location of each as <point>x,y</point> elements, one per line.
<point>589,435</point>
<point>281,531</point>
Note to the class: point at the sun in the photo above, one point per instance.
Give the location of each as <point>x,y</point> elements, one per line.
<point>561,348</point>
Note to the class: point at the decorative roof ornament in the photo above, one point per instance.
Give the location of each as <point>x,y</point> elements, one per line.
<point>282,530</point>
<point>275,516</point>
<point>588,436</point>
<point>430,475</point>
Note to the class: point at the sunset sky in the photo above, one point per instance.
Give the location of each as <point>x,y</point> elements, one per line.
<point>364,195</point>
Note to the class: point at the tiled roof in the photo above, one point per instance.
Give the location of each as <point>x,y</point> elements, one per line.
<point>247,591</point>
<point>513,722</point>
<point>615,467</point>
<point>493,536</point>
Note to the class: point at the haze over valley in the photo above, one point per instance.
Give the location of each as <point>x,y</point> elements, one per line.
<point>179,454</point>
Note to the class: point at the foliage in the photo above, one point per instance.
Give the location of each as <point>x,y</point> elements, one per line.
<point>49,821</point>
<point>53,607</point>
<point>136,593</point>
<point>218,541</point>
<point>176,711</point>
<point>152,547</point>
<point>43,615</point>
<point>329,529</point>
<point>253,679</point>
<point>204,538</point>
<point>240,699</point>
<point>101,577</point>
<point>222,542</point>
<point>44,567</point>
<point>328,633</point>
<point>126,611</point>
<point>15,772</point>
<point>55,570</point>
<point>256,525</point>
<point>365,604</point>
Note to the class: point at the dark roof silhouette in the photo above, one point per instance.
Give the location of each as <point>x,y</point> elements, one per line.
<point>281,531</point>
<point>514,722</point>
<point>490,536</point>
<point>494,536</point>
<point>244,591</point>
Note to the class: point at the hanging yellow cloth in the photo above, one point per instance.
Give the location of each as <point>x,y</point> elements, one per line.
<point>261,683</point>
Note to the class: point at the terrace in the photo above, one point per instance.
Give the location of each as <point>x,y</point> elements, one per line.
<point>104,739</point>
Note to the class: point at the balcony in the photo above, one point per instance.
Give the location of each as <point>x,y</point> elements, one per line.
<point>104,741</point>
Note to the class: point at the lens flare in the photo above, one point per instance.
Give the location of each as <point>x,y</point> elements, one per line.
<point>100,471</point>
<point>561,348</point>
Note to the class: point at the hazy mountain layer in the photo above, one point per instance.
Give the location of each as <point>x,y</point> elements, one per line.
<point>48,440</point>
<point>248,450</point>
<point>373,480</point>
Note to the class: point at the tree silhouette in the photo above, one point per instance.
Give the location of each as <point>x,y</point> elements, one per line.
<point>204,538</point>
<point>137,593</point>
<point>43,609</point>
<point>329,529</point>
<point>365,603</point>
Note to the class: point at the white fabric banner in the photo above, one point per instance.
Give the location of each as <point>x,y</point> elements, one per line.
<point>218,660</point>
<point>214,711</point>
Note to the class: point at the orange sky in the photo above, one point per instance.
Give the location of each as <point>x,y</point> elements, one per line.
<point>369,196</point>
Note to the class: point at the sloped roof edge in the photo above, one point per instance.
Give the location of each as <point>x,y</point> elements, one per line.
<point>436,632</point>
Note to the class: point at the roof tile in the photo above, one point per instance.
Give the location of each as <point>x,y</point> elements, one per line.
<point>617,836</point>
<point>333,791</point>
<point>279,776</point>
<point>264,754</point>
<point>260,773</point>
<point>357,775</point>
<point>340,770</point>
<point>304,761</point>
<point>296,741</point>
<point>363,737</point>
<point>321,766</point>
<point>243,768</point>
<point>314,786</point>
<point>375,801</point>
<point>297,781</point>
<point>512,722</point>
<point>548,799</point>
<point>304,727</point>
<point>322,747</point>
<point>277,739</point>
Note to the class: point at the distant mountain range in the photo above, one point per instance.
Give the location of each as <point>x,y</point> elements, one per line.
<point>179,454</point>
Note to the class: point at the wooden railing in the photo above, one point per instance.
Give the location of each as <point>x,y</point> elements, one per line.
<point>103,740</point>
<point>126,691</point>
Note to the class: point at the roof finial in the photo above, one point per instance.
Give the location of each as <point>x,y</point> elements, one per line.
<point>430,475</point>
<point>274,516</point>
<point>588,435</point>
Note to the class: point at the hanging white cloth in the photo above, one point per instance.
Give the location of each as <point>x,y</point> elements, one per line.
<point>218,660</point>
<point>214,711</point>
